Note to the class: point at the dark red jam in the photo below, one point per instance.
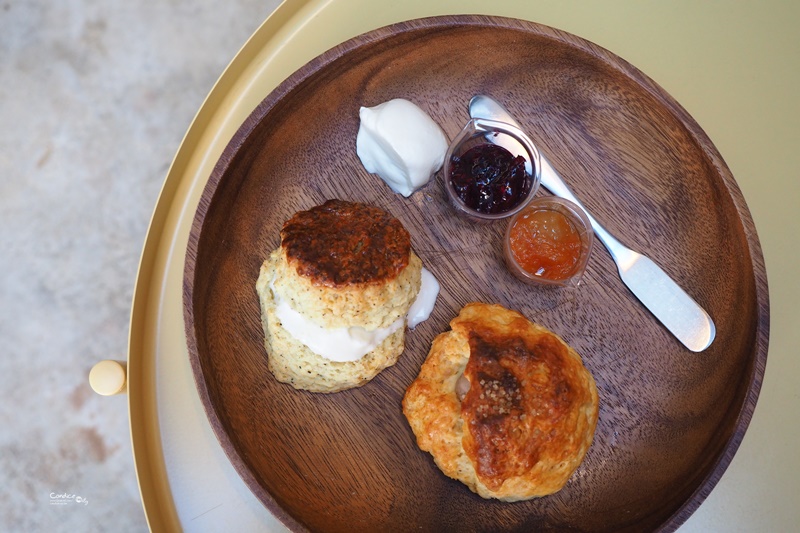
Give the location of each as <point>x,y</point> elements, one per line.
<point>489,179</point>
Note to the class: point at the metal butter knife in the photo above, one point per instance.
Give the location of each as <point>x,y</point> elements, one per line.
<point>670,304</point>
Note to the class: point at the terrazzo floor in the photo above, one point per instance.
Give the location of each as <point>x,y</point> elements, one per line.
<point>94,101</point>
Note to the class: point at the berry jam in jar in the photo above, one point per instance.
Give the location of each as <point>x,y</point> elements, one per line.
<point>489,179</point>
<point>491,171</point>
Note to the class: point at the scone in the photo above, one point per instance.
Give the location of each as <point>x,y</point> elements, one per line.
<point>503,405</point>
<point>335,294</point>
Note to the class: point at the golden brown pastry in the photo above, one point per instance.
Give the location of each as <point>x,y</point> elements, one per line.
<point>503,405</point>
<point>342,266</point>
<point>347,264</point>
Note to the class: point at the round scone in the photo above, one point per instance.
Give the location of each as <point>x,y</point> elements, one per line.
<point>334,296</point>
<point>347,264</point>
<point>503,405</point>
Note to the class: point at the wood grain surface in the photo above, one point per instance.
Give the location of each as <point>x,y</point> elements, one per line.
<point>670,420</point>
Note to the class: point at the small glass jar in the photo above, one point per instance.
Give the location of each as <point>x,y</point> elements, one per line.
<point>549,243</point>
<point>479,132</point>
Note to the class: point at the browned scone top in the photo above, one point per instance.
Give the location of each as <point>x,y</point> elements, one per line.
<point>523,420</point>
<point>526,398</point>
<point>344,243</point>
<point>345,264</point>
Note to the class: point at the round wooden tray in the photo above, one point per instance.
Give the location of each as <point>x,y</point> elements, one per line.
<point>670,420</point>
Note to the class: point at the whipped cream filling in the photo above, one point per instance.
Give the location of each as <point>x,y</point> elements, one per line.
<point>352,343</point>
<point>423,304</point>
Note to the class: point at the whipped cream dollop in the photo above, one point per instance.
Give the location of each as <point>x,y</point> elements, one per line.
<point>423,304</point>
<point>353,343</point>
<point>402,144</point>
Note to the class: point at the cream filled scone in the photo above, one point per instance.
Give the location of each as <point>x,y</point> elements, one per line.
<point>503,405</point>
<point>336,294</point>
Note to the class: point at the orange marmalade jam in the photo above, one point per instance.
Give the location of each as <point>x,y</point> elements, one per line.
<point>545,243</point>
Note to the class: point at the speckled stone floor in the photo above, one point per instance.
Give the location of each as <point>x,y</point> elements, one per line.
<point>94,101</point>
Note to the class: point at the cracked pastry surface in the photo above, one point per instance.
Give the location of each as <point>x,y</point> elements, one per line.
<point>503,405</point>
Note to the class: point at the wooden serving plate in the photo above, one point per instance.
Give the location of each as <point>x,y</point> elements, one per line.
<point>670,420</point>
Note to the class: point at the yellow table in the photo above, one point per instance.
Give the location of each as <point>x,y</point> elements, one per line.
<point>732,65</point>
